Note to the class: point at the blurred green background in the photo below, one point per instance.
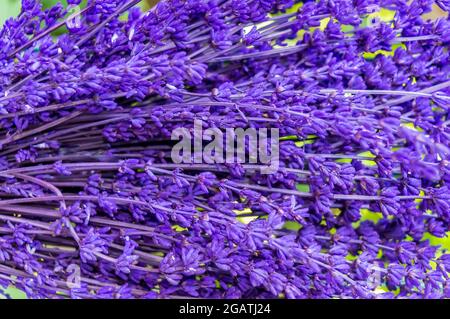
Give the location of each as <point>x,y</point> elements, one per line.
<point>10,8</point>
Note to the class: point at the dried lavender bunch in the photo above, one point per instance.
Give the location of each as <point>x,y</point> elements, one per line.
<point>86,177</point>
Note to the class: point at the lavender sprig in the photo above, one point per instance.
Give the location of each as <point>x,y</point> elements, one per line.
<point>87,181</point>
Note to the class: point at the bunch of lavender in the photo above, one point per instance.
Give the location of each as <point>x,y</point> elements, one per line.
<point>92,206</point>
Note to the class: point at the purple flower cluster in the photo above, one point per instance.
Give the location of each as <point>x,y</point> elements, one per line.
<point>362,103</point>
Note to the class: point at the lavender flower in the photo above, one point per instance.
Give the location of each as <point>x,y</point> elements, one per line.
<point>86,176</point>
